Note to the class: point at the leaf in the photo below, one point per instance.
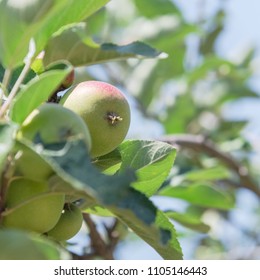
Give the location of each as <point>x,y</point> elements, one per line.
<point>21,21</point>
<point>161,235</point>
<point>168,40</point>
<point>109,163</point>
<point>214,173</point>
<point>71,162</point>
<point>201,194</point>
<point>156,7</point>
<point>210,63</point>
<point>73,46</point>
<point>19,245</point>
<point>152,161</point>
<point>189,221</point>
<point>36,92</point>
<point>7,132</point>
<point>180,114</point>
<point>15,74</point>
<point>35,21</point>
<point>68,14</point>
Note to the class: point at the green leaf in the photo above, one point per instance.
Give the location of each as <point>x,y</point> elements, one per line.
<point>15,74</point>
<point>180,114</point>
<point>74,46</point>
<point>156,7</point>
<point>152,161</point>
<point>170,41</point>
<point>99,211</point>
<point>210,63</point>
<point>7,132</point>
<point>71,162</point>
<point>161,235</point>
<point>68,14</point>
<point>189,221</point>
<point>19,245</point>
<point>37,91</point>
<point>18,24</point>
<point>109,163</point>
<point>73,165</point>
<point>201,194</point>
<point>35,21</point>
<point>214,173</point>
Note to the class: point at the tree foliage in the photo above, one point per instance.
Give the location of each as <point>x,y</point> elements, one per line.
<point>199,161</point>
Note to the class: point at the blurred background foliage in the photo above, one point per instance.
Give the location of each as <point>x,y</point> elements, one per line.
<point>184,98</point>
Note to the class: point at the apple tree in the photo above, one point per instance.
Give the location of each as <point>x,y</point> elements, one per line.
<point>74,79</point>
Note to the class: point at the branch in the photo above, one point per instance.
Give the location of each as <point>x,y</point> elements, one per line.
<point>100,249</point>
<point>113,235</point>
<point>199,143</point>
<point>15,88</point>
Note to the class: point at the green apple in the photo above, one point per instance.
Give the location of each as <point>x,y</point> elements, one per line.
<point>31,206</point>
<point>104,109</point>
<point>52,123</point>
<point>68,225</point>
<point>29,164</point>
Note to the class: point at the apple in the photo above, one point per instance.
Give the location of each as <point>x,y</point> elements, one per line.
<point>29,164</point>
<point>104,109</point>
<point>31,206</point>
<point>51,123</point>
<point>68,225</point>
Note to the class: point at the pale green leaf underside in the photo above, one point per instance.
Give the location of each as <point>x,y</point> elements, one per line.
<point>73,45</point>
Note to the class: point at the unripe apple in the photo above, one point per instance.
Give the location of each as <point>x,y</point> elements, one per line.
<point>104,109</point>
<point>29,164</point>
<point>68,225</point>
<point>30,205</point>
<point>52,123</point>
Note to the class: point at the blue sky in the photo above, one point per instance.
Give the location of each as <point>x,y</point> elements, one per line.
<point>242,22</point>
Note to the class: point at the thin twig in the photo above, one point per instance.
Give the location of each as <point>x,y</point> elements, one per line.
<point>15,88</point>
<point>200,144</point>
<point>7,77</point>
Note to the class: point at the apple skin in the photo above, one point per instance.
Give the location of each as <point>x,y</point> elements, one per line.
<point>54,124</point>
<point>29,164</point>
<point>31,206</point>
<point>104,109</point>
<point>68,225</point>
